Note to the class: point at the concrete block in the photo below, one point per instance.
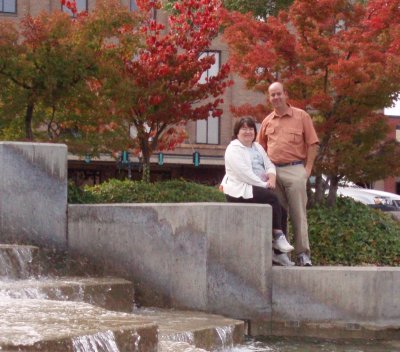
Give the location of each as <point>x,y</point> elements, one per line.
<point>204,256</point>
<point>239,260</point>
<point>354,302</point>
<point>33,189</point>
<point>209,331</point>
<point>108,292</point>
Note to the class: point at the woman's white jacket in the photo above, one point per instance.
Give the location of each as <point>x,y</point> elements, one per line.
<point>239,177</point>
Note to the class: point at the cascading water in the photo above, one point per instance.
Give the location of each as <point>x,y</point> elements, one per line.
<point>99,342</point>
<point>15,261</point>
<point>225,335</point>
<point>16,264</point>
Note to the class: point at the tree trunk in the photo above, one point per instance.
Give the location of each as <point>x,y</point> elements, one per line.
<point>145,164</point>
<point>333,186</point>
<point>146,171</point>
<point>320,188</point>
<point>28,121</point>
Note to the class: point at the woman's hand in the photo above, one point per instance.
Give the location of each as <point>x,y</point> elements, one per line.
<point>271,183</point>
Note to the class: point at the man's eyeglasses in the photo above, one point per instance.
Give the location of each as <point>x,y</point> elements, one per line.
<point>247,129</point>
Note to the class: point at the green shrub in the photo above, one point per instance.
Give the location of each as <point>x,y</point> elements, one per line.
<point>117,191</point>
<point>353,234</point>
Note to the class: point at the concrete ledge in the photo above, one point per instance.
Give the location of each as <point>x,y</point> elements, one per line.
<point>109,293</point>
<point>207,331</point>
<point>33,188</point>
<point>205,256</point>
<point>336,301</point>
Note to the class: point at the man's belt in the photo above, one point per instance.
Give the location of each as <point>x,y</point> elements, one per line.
<point>298,162</point>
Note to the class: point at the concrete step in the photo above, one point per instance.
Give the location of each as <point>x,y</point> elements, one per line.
<point>18,261</point>
<point>39,313</point>
<point>108,292</point>
<point>62,326</point>
<point>202,330</point>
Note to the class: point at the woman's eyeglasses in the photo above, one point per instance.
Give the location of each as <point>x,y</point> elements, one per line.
<point>247,129</point>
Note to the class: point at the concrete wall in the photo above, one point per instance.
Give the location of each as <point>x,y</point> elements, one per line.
<point>344,301</point>
<point>207,256</point>
<point>33,193</point>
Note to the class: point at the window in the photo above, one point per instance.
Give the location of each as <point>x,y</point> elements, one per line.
<point>398,133</point>
<point>207,131</point>
<point>81,5</point>
<point>133,5</point>
<point>8,6</point>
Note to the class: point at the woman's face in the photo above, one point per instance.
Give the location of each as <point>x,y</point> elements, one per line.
<point>246,135</point>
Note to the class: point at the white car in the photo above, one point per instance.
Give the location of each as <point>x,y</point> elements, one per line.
<point>372,197</point>
<point>377,199</point>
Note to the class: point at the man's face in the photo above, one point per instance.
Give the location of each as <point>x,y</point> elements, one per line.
<point>277,96</point>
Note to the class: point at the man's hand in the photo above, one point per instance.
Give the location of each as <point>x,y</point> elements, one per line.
<point>308,170</point>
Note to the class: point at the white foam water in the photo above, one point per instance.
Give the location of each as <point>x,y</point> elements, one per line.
<point>99,342</point>
<point>15,261</point>
<point>225,335</point>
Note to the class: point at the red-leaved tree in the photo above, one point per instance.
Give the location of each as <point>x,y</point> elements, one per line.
<point>154,88</point>
<point>70,4</point>
<point>340,61</point>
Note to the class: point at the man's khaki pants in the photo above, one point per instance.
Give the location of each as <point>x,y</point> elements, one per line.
<point>292,193</point>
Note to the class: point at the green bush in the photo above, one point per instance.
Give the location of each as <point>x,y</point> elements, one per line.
<point>348,234</point>
<point>117,191</point>
<point>353,234</point>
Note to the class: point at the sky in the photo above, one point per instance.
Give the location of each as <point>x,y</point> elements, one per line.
<point>394,110</point>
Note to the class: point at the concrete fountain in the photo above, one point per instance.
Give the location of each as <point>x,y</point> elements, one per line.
<point>208,257</point>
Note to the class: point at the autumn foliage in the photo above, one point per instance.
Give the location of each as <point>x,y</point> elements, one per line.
<point>153,89</point>
<point>70,4</point>
<point>112,79</point>
<point>340,61</point>
<point>42,64</point>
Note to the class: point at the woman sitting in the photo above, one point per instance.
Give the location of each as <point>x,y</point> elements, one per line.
<point>250,178</point>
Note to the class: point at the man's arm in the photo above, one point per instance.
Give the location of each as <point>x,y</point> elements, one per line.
<point>312,152</point>
<point>261,136</point>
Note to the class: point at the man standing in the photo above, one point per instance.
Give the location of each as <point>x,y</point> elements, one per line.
<point>289,137</point>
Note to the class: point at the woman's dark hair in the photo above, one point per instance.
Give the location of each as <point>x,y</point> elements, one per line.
<point>246,122</point>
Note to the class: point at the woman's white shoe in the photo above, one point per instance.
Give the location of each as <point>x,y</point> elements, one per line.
<point>282,244</point>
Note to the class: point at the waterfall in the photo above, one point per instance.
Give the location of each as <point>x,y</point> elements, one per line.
<point>15,261</point>
<point>99,342</point>
<point>225,335</point>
